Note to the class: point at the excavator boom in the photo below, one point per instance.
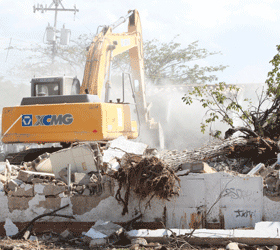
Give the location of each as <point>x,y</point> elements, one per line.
<point>59,110</point>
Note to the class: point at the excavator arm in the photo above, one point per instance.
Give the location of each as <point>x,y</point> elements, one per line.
<point>105,46</point>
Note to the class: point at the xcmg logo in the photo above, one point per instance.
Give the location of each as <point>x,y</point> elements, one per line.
<point>46,120</point>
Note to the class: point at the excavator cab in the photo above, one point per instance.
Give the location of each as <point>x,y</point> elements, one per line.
<point>51,86</point>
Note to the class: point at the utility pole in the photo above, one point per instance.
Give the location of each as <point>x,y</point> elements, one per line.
<point>52,31</point>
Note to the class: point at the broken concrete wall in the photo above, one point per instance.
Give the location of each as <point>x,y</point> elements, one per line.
<point>238,201</point>
<point>234,201</point>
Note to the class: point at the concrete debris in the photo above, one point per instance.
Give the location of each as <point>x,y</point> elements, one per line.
<point>82,158</point>
<point>142,174</point>
<point>108,228</point>
<point>13,184</point>
<point>232,246</point>
<point>97,243</point>
<point>28,176</point>
<point>119,147</point>
<point>94,234</point>
<point>197,167</point>
<point>102,231</point>
<point>33,238</point>
<point>257,169</point>
<point>66,235</point>
<point>81,178</point>
<point>44,165</point>
<point>25,190</point>
<point>10,228</point>
<point>1,188</point>
<point>86,192</point>
<point>139,241</point>
<point>3,178</point>
<point>53,190</point>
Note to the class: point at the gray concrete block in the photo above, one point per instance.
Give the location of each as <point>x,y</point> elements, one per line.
<point>97,243</point>
<point>24,175</point>
<point>108,228</point>
<point>53,190</point>
<point>86,192</point>
<point>26,191</point>
<point>81,178</point>
<point>198,167</point>
<point>14,184</point>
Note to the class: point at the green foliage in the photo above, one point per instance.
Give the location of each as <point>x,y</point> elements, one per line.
<point>162,61</point>
<point>169,61</point>
<point>172,62</point>
<point>221,104</point>
<point>273,80</point>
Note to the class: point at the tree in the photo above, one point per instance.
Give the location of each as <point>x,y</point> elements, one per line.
<point>162,61</point>
<point>68,60</point>
<point>169,61</point>
<point>172,62</point>
<point>222,104</point>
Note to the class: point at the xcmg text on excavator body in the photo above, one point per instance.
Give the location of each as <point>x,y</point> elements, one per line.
<point>60,110</point>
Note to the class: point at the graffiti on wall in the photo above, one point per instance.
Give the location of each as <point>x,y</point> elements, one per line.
<point>242,213</point>
<point>236,193</point>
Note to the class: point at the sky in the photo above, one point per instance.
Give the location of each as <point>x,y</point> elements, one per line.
<point>245,32</point>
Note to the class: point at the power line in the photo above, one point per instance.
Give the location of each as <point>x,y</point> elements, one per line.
<point>51,31</point>
<point>8,50</point>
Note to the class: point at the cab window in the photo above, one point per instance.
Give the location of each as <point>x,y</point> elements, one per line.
<point>47,89</point>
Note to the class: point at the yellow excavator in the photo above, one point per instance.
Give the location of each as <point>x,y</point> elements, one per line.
<point>61,111</point>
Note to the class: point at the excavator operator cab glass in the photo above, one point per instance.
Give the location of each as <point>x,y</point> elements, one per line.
<point>75,87</point>
<point>71,86</point>
<point>46,89</point>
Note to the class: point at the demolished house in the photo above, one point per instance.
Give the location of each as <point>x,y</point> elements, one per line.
<point>139,189</point>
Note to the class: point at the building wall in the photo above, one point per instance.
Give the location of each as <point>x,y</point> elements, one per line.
<point>217,200</point>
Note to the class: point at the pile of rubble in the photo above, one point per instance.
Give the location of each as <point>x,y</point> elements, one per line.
<point>90,172</point>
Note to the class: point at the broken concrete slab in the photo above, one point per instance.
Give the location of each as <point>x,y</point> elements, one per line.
<point>10,228</point>
<point>24,175</point>
<point>82,159</point>
<point>198,167</point>
<point>53,190</point>
<point>120,146</point>
<point>2,167</point>
<point>257,169</point>
<point>25,190</point>
<point>66,234</point>
<point>97,243</point>
<point>232,246</point>
<point>14,184</point>
<point>139,241</point>
<point>2,192</point>
<point>86,192</point>
<point>94,234</point>
<point>81,178</point>
<point>28,176</point>
<point>3,178</point>
<point>107,227</point>
<point>44,166</point>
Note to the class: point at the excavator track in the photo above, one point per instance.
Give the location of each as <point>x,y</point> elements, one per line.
<point>28,155</point>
